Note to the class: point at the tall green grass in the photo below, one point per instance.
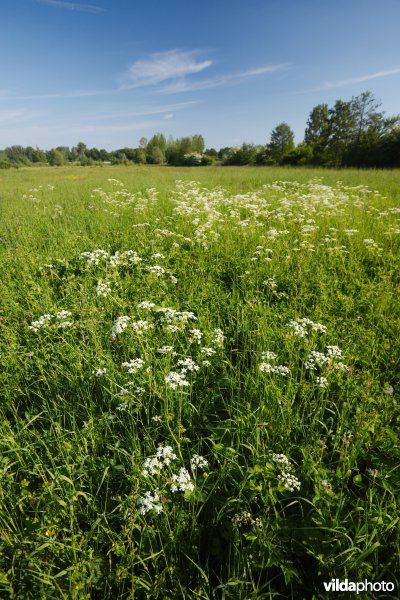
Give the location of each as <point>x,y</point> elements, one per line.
<point>301,478</point>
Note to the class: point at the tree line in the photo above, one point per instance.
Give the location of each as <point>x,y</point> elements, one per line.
<point>354,133</point>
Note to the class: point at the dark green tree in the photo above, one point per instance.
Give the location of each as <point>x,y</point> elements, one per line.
<point>317,132</point>
<point>281,142</point>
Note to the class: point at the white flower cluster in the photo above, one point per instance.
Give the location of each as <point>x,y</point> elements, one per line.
<point>141,326</point>
<point>150,503</point>
<point>175,380</point>
<point>286,475</point>
<point>318,360</point>
<point>49,321</point>
<point>120,325</point>
<point>196,336</point>
<point>99,372</point>
<point>245,520</point>
<point>182,481</point>
<point>302,327</point>
<point>270,283</point>
<point>322,382</point>
<point>289,481</point>
<point>103,288</point>
<point>154,465</point>
<point>187,364</point>
<point>334,352</point>
<point>134,365</point>
<point>166,350</point>
<point>159,466</point>
<point>127,389</point>
<point>175,320</point>
<point>372,245</point>
<point>207,351</point>
<point>198,462</point>
<point>94,258</point>
<point>276,369</point>
<point>218,338</point>
<point>128,257</point>
<point>146,305</point>
<point>157,270</point>
<point>268,355</point>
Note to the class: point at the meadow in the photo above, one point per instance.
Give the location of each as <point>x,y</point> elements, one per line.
<point>199,375</point>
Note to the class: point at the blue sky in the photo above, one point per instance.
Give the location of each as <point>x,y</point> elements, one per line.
<point>107,72</point>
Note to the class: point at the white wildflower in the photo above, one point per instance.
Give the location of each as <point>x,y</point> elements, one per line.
<point>134,365</point>
<point>207,351</point>
<point>166,454</point>
<point>146,304</point>
<point>245,520</point>
<point>182,481</point>
<point>198,462</point>
<point>322,382</point>
<point>103,288</point>
<point>150,503</point>
<point>187,364</point>
<point>174,380</point>
<point>99,372</point>
<point>166,350</point>
<point>120,325</point>
<point>141,326</point>
<point>268,355</point>
<point>218,337</point>
<point>196,336</point>
<point>276,369</point>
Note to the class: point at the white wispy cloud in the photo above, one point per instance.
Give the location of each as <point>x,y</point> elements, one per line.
<point>65,95</point>
<point>165,72</point>
<point>17,114</point>
<point>162,66</point>
<point>330,85</point>
<point>88,8</point>
<point>221,80</point>
<point>164,109</point>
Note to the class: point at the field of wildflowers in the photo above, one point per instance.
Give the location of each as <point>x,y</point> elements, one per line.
<point>199,375</point>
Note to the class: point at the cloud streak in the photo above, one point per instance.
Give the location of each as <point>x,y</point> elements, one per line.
<point>87,8</point>
<point>147,111</point>
<point>62,95</point>
<point>221,80</point>
<point>162,66</point>
<point>165,72</point>
<point>19,115</point>
<point>331,85</point>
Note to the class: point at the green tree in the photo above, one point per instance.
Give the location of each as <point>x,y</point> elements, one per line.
<point>343,121</point>
<point>155,149</point>
<point>281,142</point>
<point>317,132</point>
<point>197,143</point>
<point>55,158</point>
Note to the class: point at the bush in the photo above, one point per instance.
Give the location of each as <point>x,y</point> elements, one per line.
<point>207,160</point>
<point>194,159</point>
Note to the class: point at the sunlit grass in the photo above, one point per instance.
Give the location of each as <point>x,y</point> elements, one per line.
<point>216,413</point>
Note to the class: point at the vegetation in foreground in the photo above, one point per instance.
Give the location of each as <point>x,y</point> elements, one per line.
<point>199,382</point>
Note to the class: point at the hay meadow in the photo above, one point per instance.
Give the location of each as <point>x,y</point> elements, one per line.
<point>199,377</point>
